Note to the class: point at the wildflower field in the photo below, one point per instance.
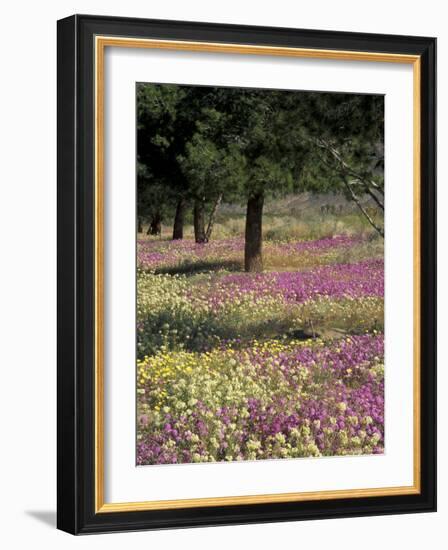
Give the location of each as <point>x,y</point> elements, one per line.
<point>285,363</point>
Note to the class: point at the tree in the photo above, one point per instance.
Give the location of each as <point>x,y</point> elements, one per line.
<point>296,141</point>
<point>264,136</point>
<point>163,130</point>
<point>211,162</point>
<point>179,218</point>
<point>175,122</point>
<point>203,145</point>
<point>214,170</point>
<point>152,203</point>
<point>347,135</point>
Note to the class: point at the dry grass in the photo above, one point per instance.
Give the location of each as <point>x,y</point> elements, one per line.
<point>284,223</point>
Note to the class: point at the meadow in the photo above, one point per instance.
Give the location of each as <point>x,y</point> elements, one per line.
<point>286,363</point>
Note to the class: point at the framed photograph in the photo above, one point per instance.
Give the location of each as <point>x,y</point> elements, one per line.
<point>246,274</point>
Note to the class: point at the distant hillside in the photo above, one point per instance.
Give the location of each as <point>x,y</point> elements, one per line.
<point>298,205</point>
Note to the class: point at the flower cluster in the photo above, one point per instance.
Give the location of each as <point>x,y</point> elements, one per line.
<point>337,281</point>
<point>271,399</point>
<point>163,255</point>
<point>283,364</point>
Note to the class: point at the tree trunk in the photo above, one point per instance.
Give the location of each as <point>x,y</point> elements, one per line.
<point>155,227</point>
<point>253,259</point>
<point>139,225</point>
<point>178,227</point>
<point>199,222</point>
<point>211,220</point>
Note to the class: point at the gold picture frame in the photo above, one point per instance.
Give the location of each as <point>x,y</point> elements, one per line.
<point>97,40</point>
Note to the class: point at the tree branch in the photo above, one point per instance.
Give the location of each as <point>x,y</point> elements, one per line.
<point>360,206</point>
<point>367,183</point>
<point>366,189</point>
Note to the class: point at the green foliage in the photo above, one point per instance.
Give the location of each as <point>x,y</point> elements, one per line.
<point>163,129</point>
<point>201,143</point>
<point>346,136</point>
<point>212,171</point>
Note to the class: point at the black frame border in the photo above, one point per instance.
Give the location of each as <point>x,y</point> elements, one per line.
<point>76,263</point>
